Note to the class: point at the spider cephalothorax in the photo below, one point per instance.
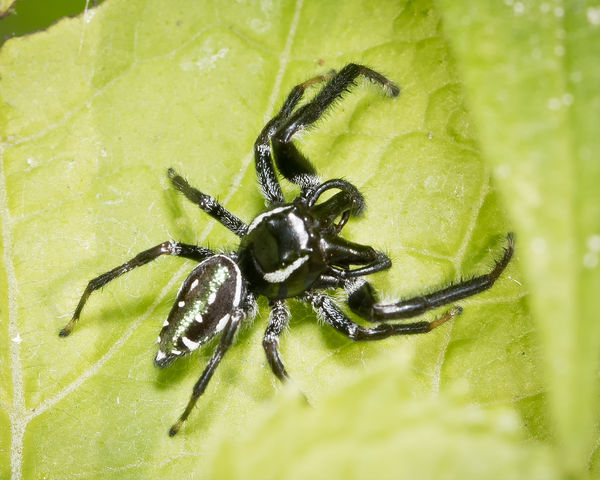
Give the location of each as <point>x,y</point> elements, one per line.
<point>291,250</point>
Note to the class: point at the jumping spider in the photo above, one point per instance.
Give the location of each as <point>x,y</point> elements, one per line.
<point>291,250</point>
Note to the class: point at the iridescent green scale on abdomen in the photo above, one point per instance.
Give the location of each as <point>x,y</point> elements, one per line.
<point>202,307</point>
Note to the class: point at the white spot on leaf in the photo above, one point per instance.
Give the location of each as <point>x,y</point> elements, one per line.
<point>206,60</point>
<point>538,245</point>
<point>554,103</point>
<point>593,243</point>
<point>503,170</point>
<point>519,8</point>
<point>593,15</point>
<point>88,15</point>
<point>590,260</point>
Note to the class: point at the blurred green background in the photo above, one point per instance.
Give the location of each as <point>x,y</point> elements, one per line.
<point>532,83</point>
<point>27,16</point>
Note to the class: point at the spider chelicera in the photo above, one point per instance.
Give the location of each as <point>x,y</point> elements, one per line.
<point>291,250</point>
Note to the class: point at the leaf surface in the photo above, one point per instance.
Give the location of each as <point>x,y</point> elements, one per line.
<point>5,5</point>
<point>95,110</point>
<point>532,76</point>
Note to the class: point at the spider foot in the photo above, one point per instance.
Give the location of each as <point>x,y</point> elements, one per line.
<point>453,312</point>
<point>318,79</point>
<point>175,428</point>
<point>68,328</point>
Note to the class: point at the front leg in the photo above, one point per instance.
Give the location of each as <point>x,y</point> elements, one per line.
<point>362,297</point>
<point>292,164</point>
<point>341,253</point>
<point>332,315</point>
<point>262,147</point>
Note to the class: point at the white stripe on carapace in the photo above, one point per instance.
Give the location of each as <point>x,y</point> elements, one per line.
<point>194,284</point>
<point>262,216</point>
<point>299,228</point>
<point>282,274</point>
<point>191,345</point>
<point>160,355</point>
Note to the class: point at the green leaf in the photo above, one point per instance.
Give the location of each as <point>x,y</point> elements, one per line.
<point>376,428</point>
<point>95,110</point>
<point>28,16</point>
<point>5,6</point>
<point>532,75</point>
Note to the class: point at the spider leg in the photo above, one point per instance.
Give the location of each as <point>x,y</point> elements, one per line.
<point>340,251</point>
<point>294,166</point>
<point>362,298</point>
<point>329,311</point>
<point>278,320</point>
<point>208,204</point>
<point>345,203</point>
<point>166,248</point>
<point>328,282</point>
<point>262,147</point>
<point>226,341</point>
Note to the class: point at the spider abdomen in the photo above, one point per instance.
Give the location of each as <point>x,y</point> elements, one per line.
<point>204,304</point>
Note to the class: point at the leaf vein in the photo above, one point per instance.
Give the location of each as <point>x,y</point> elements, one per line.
<point>168,288</point>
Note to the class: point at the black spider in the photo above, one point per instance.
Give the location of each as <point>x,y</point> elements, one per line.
<point>292,250</point>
